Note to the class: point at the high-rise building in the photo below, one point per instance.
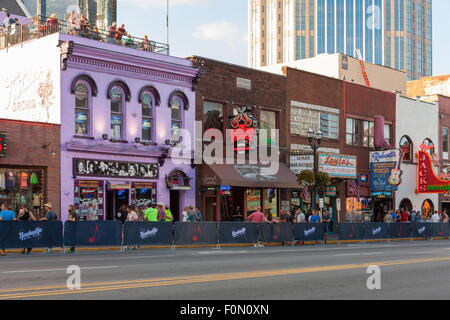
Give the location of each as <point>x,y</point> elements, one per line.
<point>393,33</point>
<point>100,13</point>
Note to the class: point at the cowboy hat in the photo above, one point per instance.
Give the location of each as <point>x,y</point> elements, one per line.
<point>49,205</point>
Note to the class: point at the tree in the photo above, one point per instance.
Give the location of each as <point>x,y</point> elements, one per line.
<point>306,178</point>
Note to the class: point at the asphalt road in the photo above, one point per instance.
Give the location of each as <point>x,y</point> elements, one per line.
<point>409,270</point>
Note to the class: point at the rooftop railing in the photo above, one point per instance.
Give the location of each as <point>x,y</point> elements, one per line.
<point>38,27</point>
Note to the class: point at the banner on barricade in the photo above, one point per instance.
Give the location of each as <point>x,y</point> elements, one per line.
<point>275,232</point>
<point>351,231</point>
<point>308,231</point>
<point>93,233</point>
<point>187,233</point>
<point>399,230</point>
<point>421,230</point>
<point>375,231</point>
<point>31,234</point>
<point>238,232</point>
<point>148,233</point>
<point>440,230</point>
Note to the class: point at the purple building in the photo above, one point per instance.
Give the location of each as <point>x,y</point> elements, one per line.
<point>120,110</point>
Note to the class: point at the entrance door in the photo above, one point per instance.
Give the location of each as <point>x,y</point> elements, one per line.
<point>114,200</point>
<point>210,208</point>
<point>109,202</point>
<point>175,204</point>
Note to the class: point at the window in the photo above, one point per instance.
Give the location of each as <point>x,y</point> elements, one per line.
<point>353,132</point>
<point>444,139</point>
<point>82,109</point>
<point>368,134</point>
<point>117,113</point>
<point>268,122</point>
<point>212,115</point>
<point>147,116</point>
<point>302,119</point>
<point>176,107</point>
<point>407,148</point>
<point>387,133</point>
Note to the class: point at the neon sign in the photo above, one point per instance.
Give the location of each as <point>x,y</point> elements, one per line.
<point>428,182</point>
<point>243,130</point>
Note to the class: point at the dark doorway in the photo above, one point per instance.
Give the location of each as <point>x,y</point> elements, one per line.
<point>175,204</point>
<point>114,200</point>
<point>109,204</point>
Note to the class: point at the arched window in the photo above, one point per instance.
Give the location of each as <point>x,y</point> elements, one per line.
<point>117,113</point>
<point>406,205</point>
<point>176,108</point>
<point>148,104</point>
<point>427,208</point>
<point>407,148</point>
<point>429,146</point>
<point>82,112</point>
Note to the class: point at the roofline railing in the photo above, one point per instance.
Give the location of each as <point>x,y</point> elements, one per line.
<point>40,26</point>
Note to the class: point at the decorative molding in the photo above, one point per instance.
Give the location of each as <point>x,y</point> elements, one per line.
<point>66,50</point>
<point>153,91</point>
<point>121,84</point>
<point>182,96</point>
<point>88,79</point>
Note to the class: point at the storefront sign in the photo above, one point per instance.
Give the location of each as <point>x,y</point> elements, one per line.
<point>331,191</point>
<point>255,173</point>
<point>364,178</point>
<point>243,130</point>
<point>143,193</point>
<point>384,170</point>
<point>3,145</point>
<point>88,193</point>
<point>428,182</point>
<point>299,163</point>
<point>338,165</point>
<point>382,194</point>
<point>105,168</point>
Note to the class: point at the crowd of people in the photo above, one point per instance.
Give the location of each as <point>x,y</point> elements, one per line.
<point>404,216</point>
<point>77,25</point>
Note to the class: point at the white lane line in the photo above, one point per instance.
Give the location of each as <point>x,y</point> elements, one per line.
<point>50,270</point>
<point>219,252</point>
<point>356,254</point>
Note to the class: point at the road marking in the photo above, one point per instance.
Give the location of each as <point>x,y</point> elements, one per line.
<point>146,283</point>
<point>51,270</point>
<point>357,254</point>
<point>219,252</point>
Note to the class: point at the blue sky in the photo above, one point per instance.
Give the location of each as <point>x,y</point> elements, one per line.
<point>219,28</point>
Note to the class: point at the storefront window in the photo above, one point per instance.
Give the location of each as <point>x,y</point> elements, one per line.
<point>353,132</point>
<point>268,122</point>
<point>368,134</point>
<point>427,208</point>
<point>302,119</point>
<point>212,115</point>
<point>82,109</point>
<point>406,147</point>
<point>116,113</point>
<point>253,200</point>
<point>147,117</point>
<point>22,186</point>
<point>387,133</point>
<point>143,194</point>
<point>88,193</point>
<point>271,201</point>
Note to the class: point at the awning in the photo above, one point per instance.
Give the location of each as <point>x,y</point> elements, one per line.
<point>250,176</point>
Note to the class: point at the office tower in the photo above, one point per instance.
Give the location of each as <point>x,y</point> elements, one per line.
<point>393,33</point>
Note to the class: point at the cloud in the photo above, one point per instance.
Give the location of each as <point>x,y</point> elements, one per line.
<point>221,31</point>
<point>163,3</point>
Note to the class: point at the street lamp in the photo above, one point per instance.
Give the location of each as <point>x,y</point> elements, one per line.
<point>315,146</point>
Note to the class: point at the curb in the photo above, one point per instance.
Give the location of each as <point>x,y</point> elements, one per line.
<point>230,245</point>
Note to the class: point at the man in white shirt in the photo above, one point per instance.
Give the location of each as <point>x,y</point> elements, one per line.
<point>300,217</point>
<point>435,217</point>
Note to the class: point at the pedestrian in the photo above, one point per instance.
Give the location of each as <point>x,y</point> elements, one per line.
<point>326,222</point>
<point>300,217</point>
<point>404,215</point>
<point>191,214</point>
<point>444,217</point>
<point>412,216</point>
<point>50,215</point>
<point>257,217</point>
<point>388,218</point>
<point>435,217</point>
<point>92,212</point>
<point>122,214</point>
<point>151,214</point>
<point>161,212</point>
<point>73,217</point>
<point>112,32</point>
<point>131,216</point>
<point>6,215</point>
<point>25,215</point>
<point>237,215</point>
<point>169,216</point>
<point>314,218</point>
<point>198,214</point>
<point>185,214</point>
<point>349,216</point>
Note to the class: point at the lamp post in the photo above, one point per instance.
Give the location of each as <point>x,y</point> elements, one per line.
<point>315,146</point>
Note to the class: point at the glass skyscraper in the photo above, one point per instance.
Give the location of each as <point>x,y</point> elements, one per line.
<point>100,13</point>
<point>393,33</point>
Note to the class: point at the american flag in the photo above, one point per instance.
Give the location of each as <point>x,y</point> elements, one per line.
<point>354,185</point>
<point>305,193</point>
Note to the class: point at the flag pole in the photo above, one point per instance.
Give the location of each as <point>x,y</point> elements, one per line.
<point>167,24</point>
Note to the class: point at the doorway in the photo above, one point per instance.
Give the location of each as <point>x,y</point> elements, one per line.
<point>210,208</point>
<point>175,204</point>
<point>115,198</point>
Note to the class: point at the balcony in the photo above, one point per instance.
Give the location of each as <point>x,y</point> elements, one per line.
<point>38,27</point>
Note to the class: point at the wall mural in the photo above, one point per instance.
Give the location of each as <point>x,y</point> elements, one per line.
<point>104,168</point>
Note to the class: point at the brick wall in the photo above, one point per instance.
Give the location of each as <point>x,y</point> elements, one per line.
<point>26,142</point>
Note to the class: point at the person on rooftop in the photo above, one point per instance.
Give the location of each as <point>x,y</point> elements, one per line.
<point>52,24</point>
<point>112,31</point>
<point>121,31</point>
<point>128,40</point>
<point>145,44</point>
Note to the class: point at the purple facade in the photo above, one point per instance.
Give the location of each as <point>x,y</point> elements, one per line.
<point>118,109</point>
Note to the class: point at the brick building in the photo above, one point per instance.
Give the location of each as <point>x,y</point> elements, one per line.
<point>345,114</point>
<point>443,134</point>
<point>30,169</point>
<point>222,93</point>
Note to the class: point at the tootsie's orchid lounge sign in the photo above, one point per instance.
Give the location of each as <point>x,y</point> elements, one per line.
<point>336,165</point>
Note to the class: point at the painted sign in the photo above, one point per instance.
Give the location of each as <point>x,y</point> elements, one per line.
<point>428,182</point>
<point>385,170</point>
<point>331,191</point>
<point>105,168</point>
<point>336,165</point>
<point>299,163</point>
